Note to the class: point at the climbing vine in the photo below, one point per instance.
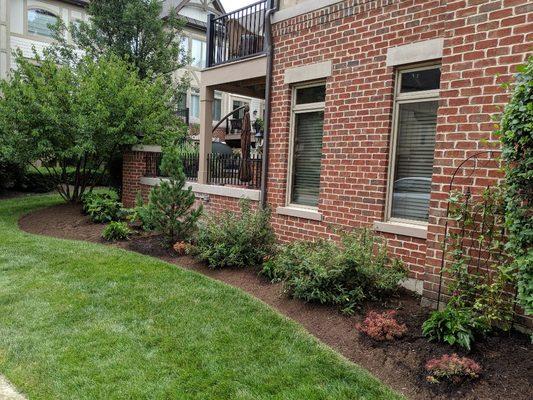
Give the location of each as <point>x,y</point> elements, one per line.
<point>516,135</point>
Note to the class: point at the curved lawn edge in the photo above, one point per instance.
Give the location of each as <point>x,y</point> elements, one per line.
<point>79,319</point>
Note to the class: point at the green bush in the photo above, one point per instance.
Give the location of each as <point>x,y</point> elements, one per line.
<point>344,275</point>
<point>170,209</point>
<point>44,181</point>
<point>116,231</point>
<point>102,206</point>
<point>230,239</point>
<point>10,174</point>
<point>517,144</point>
<point>454,325</point>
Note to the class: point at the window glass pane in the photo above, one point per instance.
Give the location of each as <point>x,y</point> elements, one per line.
<point>309,129</point>
<point>237,104</point>
<point>414,160</point>
<point>195,105</point>
<point>198,53</point>
<point>217,110</point>
<point>39,21</point>
<point>428,79</point>
<point>315,94</point>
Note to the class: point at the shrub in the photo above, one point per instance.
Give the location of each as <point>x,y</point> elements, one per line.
<point>170,206</point>
<point>382,327</point>
<point>454,326</point>
<point>102,207</point>
<point>344,275</point>
<point>236,240</point>
<point>116,231</point>
<point>452,368</point>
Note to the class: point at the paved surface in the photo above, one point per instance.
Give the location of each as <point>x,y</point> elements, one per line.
<point>8,392</point>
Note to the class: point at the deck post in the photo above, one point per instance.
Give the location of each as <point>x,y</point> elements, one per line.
<point>207,96</point>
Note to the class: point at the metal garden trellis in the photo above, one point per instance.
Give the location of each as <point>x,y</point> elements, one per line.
<point>464,178</point>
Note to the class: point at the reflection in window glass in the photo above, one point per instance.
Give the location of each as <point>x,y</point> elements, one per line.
<point>198,53</point>
<point>195,105</point>
<point>217,109</point>
<point>39,22</point>
<point>414,160</point>
<point>314,94</point>
<point>414,81</point>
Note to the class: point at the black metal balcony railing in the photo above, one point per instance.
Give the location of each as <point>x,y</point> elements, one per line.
<point>238,34</point>
<point>223,169</point>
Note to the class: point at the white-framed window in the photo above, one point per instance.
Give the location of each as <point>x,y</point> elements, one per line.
<point>217,109</point>
<point>305,145</point>
<point>416,101</point>
<point>39,22</point>
<point>195,105</point>
<point>198,53</point>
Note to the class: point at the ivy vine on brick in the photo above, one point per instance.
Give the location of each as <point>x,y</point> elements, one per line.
<point>516,135</point>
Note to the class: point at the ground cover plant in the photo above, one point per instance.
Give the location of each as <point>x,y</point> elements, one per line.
<point>342,274</point>
<point>452,368</point>
<point>116,230</point>
<point>88,321</point>
<point>230,239</point>
<point>382,326</point>
<point>102,206</point>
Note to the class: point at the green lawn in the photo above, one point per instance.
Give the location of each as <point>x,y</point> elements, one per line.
<point>86,321</point>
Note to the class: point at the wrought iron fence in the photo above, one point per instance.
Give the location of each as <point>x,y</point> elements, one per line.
<point>238,34</point>
<point>190,161</point>
<point>225,169</point>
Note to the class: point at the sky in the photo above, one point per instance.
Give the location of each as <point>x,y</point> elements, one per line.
<point>230,5</point>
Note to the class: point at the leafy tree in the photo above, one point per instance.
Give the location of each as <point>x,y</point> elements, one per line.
<point>80,115</point>
<point>516,134</point>
<point>169,209</point>
<point>131,29</point>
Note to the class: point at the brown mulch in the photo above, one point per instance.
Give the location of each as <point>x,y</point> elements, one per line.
<point>506,358</point>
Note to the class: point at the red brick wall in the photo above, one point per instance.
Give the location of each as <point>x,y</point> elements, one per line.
<point>134,168</point>
<point>484,40</point>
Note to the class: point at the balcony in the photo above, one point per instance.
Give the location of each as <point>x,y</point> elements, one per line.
<point>237,35</point>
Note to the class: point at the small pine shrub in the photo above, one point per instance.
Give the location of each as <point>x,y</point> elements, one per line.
<point>116,231</point>
<point>344,275</point>
<point>102,206</point>
<point>170,209</point>
<point>382,327</point>
<point>239,240</point>
<point>452,368</point>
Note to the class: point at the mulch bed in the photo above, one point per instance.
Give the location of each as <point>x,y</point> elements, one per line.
<point>506,358</point>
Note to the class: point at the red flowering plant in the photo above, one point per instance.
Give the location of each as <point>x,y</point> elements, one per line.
<point>382,326</point>
<point>452,368</point>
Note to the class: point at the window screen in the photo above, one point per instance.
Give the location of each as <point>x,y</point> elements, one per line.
<point>414,160</point>
<point>307,156</point>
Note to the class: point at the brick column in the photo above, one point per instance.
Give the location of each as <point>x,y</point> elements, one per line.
<point>133,170</point>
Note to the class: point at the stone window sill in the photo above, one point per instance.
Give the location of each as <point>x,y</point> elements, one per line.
<point>401,228</point>
<point>305,213</point>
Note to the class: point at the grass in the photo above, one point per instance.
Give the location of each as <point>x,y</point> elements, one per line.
<point>86,321</point>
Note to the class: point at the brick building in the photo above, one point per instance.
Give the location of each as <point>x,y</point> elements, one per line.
<point>373,104</point>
